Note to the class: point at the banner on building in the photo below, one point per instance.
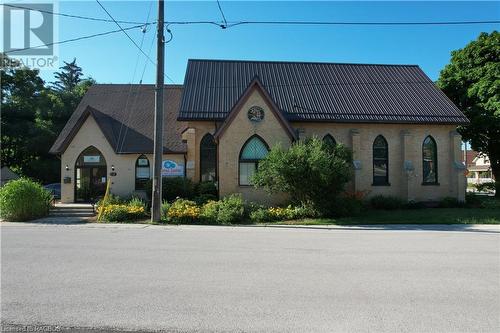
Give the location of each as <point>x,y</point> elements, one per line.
<point>170,168</point>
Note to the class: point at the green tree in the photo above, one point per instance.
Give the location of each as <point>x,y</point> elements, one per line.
<point>313,172</point>
<point>472,81</point>
<point>69,77</point>
<point>24,131</point>
<point>32,117</point>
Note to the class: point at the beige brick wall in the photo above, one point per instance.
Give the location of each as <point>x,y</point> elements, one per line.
<point>408,186</point>
<point>233,139</point>
<point>404,140</point>
<point>123,184</point>
<point>196,131</point>
<point>405,143</point>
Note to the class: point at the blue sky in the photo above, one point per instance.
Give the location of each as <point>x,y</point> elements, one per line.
<point>113,58</point>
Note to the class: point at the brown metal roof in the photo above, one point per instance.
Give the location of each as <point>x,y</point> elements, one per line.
<point>318,92</point>
<point>125,114</point>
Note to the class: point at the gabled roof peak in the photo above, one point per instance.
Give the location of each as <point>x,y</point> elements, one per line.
<point>256,84</point>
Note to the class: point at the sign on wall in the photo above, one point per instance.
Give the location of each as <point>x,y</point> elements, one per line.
<point>170,168</point>
<point>91,159</point>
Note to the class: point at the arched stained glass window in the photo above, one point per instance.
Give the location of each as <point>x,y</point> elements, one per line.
<point>252,152</point>
<point>142,172</point>
<point>429,161</point>
<point>208,158</point>
<point>330,140</point>
<point>380,161</point>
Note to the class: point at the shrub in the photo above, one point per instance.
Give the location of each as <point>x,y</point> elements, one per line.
<point>346,205</point>
<point>137,202</point>
<point>204,198</point>
<point>450,202</point>
<point>172,188</point>
<point>491,203</point>
<point>231,209</point>
<point>23,200</point>
<point>386,202</point>
<point>183,211</point>
<point>206,188</point>
<point>473,200</point>
<point>261,215</point>
<point>414,205</point>
<point>113,213</point>
<point>485,187</point>
<point>111,199</point>
<point>121,212</point>
<point>270,214</point>
<point>165,206</point>
<point>210,212</point>
<point>313,172</point>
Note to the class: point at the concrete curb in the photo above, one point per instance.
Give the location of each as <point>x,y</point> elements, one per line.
<point>90,223</point>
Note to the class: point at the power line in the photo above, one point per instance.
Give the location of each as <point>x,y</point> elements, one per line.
<point>226,24</point>
<point>74,16</point>
<point>223,16</point>
<point>233,24</point>
<point>77,38</point>
<point>130,38</point>
<point>137,90</point>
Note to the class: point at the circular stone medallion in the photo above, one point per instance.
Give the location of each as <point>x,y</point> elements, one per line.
<point>256,113</point>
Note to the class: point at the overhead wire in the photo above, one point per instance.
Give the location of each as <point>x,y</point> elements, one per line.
<point>223,16</point>
<point>131,39</point>
<point>138,87</point>
<point>78,38</point>
<point>227,24</point>
<point>89,18</point>
<point>234,24</point>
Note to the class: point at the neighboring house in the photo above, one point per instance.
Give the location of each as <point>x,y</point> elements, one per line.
<point>6,175</point>
<point>228,114</point>
<point>478,167</point>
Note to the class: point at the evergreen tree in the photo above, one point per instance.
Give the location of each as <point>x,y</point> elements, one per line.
<point>69,77</point>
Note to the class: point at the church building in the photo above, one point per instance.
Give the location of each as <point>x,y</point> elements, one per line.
<point>228,114</point>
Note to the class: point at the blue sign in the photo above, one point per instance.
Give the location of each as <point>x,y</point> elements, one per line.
<point>170,168</point>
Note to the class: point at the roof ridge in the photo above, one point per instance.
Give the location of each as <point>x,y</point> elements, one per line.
<point>136,84</point>
<point>301,62</point>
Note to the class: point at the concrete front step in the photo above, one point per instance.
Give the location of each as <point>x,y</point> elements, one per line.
<point>71,214</point>
<point>72,210</point>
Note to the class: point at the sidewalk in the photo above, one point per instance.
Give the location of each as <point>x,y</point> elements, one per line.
<point>91,223</point>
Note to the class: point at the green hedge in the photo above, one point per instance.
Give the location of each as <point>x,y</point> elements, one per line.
<point>23,200</point>
<point>180,187</point>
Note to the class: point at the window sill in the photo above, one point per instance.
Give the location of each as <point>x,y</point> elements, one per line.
<point>383,184</point>
<point>430,184</point>
<point>245,185</point>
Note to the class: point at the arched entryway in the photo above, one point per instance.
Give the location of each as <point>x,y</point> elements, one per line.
<point>90,175</point>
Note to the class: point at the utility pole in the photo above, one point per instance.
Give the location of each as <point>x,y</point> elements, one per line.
<point>158,131</point>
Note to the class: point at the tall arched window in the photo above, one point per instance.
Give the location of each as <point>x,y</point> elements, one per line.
<point>330,140</point>
<point>380,161</point>
<point>208,158</point>
<point>429,161</point>
<point>252,152</point>
<point>142,172</point>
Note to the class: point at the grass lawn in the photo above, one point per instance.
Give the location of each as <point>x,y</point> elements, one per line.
<point>412,216</point>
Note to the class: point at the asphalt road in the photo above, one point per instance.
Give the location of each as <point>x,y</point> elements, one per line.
<point>250,279</point>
